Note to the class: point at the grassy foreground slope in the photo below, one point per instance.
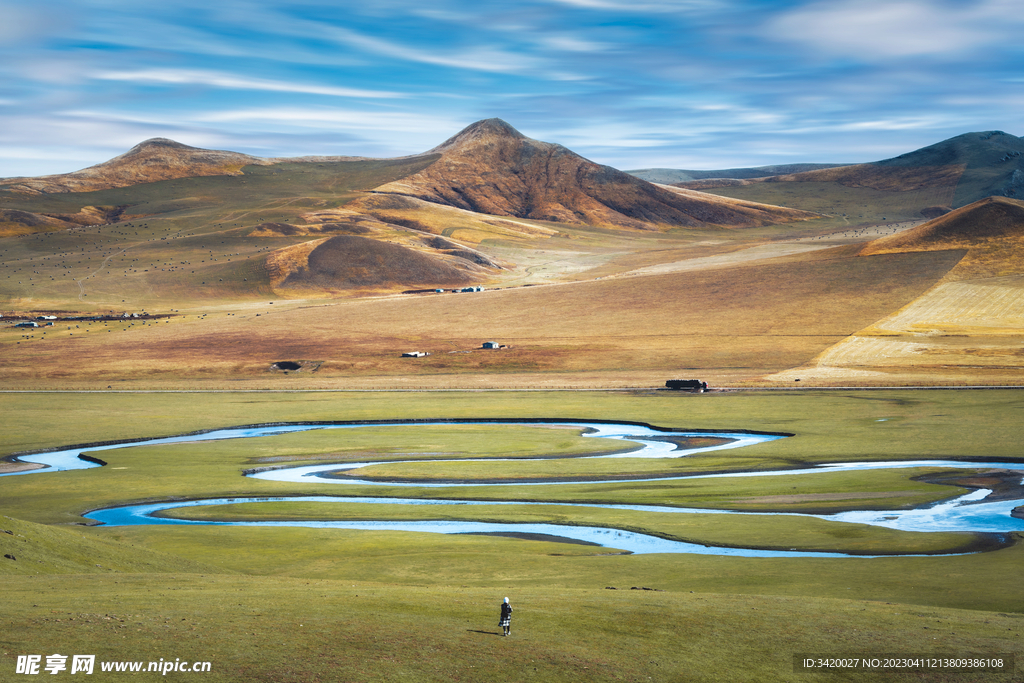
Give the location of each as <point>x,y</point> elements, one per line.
<point>307,604</point>
<point>299,630</point>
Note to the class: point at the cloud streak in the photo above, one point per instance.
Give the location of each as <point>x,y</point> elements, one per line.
<point>876,30</point>
<point>214,79</point>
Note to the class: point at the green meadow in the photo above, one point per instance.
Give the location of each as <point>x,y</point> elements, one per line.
<point>305,604</point>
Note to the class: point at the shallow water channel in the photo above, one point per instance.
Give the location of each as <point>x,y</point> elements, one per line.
<point>965,513</point>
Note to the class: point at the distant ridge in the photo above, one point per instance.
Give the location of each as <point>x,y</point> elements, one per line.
<point>972,166</point>
<point>669,176</point>
<point>490,167</point>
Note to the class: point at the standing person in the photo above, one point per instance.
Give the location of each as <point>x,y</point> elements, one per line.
<point>506,617</point>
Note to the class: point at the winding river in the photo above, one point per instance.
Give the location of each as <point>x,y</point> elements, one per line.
<point>965,513</point>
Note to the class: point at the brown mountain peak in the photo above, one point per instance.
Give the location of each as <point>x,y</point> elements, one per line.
<point>486,130</point>
<point>490,167</point>
<point>160,143</point>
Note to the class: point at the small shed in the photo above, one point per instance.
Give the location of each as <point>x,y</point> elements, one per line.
<point>491,345</point>
<point>414,354</point>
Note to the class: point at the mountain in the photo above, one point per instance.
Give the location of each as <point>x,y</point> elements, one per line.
<point>147,162</point>
<point>490,167</point>
<point>964,169</point>
<point>668,176</point>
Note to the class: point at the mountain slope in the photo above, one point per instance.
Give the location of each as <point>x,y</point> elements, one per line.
<point>992,163</point>
<point>492,168</point>
<point>15,222</point>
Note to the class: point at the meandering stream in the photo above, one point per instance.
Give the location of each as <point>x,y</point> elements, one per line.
<point>965,513</point>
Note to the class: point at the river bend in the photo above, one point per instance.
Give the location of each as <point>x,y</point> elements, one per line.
<point>964,513</point>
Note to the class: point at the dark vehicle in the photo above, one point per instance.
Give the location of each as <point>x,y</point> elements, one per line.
<point>694,385</point>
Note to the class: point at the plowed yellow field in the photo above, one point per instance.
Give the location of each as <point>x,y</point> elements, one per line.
<point>956,326</point>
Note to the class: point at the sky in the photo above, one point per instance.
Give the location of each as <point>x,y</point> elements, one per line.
<point>689,84</point>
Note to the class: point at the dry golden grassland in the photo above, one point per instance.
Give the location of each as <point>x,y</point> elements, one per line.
<point>968,327</point>
<point>957,332</point>
<point>730,324</point>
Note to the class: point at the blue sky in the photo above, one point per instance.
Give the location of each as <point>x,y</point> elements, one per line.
<point>630,83</point>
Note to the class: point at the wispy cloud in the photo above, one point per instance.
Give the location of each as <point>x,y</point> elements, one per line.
<point>334,118</point>
<point>907,123</point>
<point>477,58</point>
<point>23,23</point>
<point>214,79</point>
<point>874,30</point>
<point>647,6</point>
<point>571,43</point>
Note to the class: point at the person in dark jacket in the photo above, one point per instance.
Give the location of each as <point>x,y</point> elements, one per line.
<point>506,617</point>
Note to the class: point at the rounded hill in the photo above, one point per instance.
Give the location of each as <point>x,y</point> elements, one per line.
<point>990,232</point>
<point>990,218</point>
<point>349,261</point>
